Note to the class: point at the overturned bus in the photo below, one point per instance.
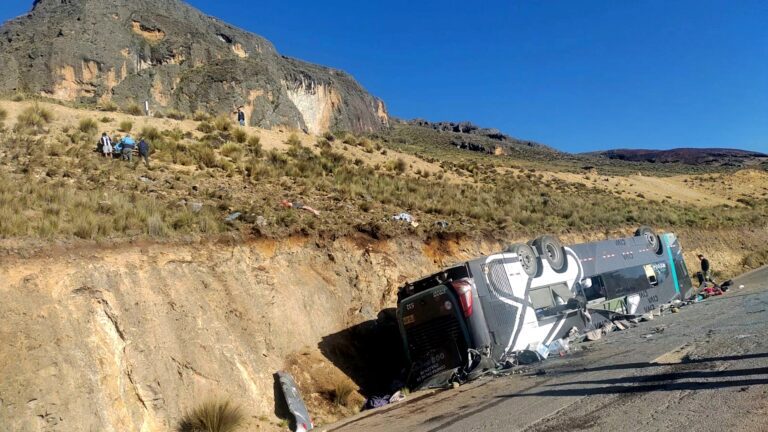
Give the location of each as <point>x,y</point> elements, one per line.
<point>534,294</point>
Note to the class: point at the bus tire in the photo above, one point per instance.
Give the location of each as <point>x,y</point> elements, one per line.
<point>654,242</point>
<point>552,250</point>
<point>528,259</point>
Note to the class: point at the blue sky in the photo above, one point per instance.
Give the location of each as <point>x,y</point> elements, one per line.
<point>579,75</point>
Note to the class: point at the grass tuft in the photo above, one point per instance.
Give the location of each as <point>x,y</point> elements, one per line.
<point>33,120</point>
<point>126,126</point>
<point>134,109</point>
<point>213,416</point>
<point>88,125</point>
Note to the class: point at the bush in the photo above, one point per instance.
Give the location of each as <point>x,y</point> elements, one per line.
<point>212,416</point>
<point>201,116</point>
<point>134,109</point>
<point>232,150</point>
<point>400,165</point>
<point>18,97</point>
<point>150,133</point>
<point>126,126</point>
<point>240,136</point>
<point>205,127</point>
<point>176,115</point>
<point>105,119</point>
<point>3,114</point>
<point>33,120</point>
<point>222,123</point>
<point>88,125</point>
<point>109,106</point>
<point>254,147</point>
<point>293,140</point>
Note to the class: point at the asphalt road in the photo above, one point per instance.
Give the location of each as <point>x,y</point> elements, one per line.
<point>702,369</point>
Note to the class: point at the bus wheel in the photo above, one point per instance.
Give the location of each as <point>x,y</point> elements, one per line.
<point>653,240</point>
<point>552,250</point>
<point>528,259</point>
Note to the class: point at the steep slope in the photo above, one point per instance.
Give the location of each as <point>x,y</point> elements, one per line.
<point>166,52</point>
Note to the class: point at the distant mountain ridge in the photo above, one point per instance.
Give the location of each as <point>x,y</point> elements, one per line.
<point>690,156</point>
<point>177,58</point>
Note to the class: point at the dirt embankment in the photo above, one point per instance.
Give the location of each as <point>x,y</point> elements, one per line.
<point>129,338</point>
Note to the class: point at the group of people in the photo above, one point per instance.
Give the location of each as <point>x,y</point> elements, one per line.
<point>124,148</point>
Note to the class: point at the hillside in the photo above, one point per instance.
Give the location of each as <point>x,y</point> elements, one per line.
<point>125,52</point>
<point>690,156</point>
<point>156,294</point>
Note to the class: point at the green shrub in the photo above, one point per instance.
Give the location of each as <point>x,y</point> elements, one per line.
<point>213,416</point>
<point>126,126</point>
<point>240,135</point>
<point>134,109</point>
<point>105,119</point>
<point>33,120</point>
<point>88,125</point>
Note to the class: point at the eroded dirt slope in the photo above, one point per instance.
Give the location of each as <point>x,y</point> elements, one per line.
<point>128,338</point>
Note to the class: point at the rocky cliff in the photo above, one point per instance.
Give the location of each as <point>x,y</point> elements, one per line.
<point>167,52</point>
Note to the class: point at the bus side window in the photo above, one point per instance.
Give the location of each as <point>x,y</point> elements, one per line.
<point>651,275</point>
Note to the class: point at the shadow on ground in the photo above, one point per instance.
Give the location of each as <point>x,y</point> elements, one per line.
<point>668,381</point>
<point>370,353</point>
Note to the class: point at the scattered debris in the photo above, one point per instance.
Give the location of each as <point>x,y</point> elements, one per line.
<point>261,221</point>
<point>607,327</point>
<point>295,404</point>
<point>298,205</point>
<point>233,217</point>
<point>526,357</point>
<point>196,207</point>
<point>593,335</point>
<point>442,224</point>
<point>647,317</point>
<point>405,217</point>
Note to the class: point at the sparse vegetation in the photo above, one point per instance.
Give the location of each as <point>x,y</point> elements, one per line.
<point>126,126</point>
<point>342,392</point>
<point>222,124</point>
<point>109,106</point>
<point>18,97</point>
<point>240,135</point>
<point>134,109</point>
<point>88,125</point>
<point>213,416</point>
<point>201,116</point>
<point>33,120</point>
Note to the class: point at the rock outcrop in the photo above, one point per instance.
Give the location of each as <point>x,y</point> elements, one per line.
<point>168,53</point>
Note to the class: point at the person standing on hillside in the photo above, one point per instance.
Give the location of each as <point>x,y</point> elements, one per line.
<point>144,151</point>
<point>127,145</point>
<point>706,271</point>
<point>241,116</point>
<point>106,145</point>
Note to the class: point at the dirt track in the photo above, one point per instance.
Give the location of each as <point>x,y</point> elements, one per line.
<point>702,369</point>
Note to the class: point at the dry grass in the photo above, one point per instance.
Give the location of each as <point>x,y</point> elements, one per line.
<point>240,135</point>
<point>213,416</point>
<point>33,120</point>
<point>88,125</point>
<point>342,392</point>
<point>126,126</point>
<point>109,106</point>
<point>133,109</point>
